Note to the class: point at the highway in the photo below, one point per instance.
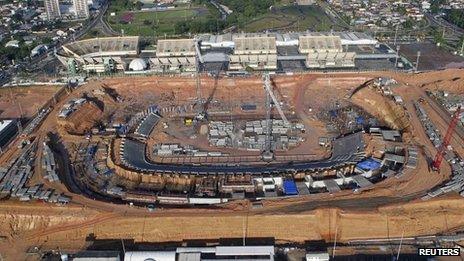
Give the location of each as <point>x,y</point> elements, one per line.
<point>440,22</point>
<point>221,10</point>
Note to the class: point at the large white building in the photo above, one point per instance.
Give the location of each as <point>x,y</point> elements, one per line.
<point>81,9</point>
<point>52,8</point>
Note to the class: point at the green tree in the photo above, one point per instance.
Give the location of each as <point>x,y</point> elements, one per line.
<point>435,6</point>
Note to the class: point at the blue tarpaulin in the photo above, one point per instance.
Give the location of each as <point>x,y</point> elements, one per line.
<point>290,188</point>
<point>368,164</point>
<point>359,120</point>
<point>333,113</point>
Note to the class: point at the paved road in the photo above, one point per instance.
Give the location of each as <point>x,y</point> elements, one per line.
<point>345,150</point>
<point>445,24</point>
<point>221,10</point>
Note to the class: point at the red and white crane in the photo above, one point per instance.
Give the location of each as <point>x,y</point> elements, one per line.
<point>446,141</point>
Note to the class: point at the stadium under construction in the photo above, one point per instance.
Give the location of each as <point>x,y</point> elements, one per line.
<point>208,138</point>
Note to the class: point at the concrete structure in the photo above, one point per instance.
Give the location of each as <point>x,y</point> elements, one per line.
<point>285,39</point>
<point>175,48</point>
<point>52,7</point>
<point>330,60</point>
<point>175,55</point>
<point>255,44</point>
<point>283,52</point>
<point>81,9</point>
<point>258,52</point>
<point>319,44</point>
<point>325,52</point>
<point>99,55</point>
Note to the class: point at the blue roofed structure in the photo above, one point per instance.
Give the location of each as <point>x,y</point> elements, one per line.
<point>290,188</point>
<point>369,164</point>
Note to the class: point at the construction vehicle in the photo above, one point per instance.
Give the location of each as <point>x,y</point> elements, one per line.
<point>188,121</point>
<point>446,140</point>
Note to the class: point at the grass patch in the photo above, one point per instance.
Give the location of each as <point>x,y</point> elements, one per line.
<point>150,23</point>
<point>292,18</point>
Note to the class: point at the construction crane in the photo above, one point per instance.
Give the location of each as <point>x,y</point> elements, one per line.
<point>446,141</point>
<point>198,62</point>
<point>203,114</point>
<point>268,87</point>
<point>267,154</point>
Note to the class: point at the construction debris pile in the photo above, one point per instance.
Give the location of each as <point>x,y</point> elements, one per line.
<point>385,84</point>
<point>342,120</point>
<point>81,117</point>
<point>71,106</point>
<point>252,136</point>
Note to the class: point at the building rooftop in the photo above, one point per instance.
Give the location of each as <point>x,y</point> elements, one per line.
<point>4,124</point>
<point>255,44</point>
<point>103,46</point>
<point>320,43</point>
<point>174,47</point>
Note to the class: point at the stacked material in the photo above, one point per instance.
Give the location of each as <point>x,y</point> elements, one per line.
<point>49,164</point>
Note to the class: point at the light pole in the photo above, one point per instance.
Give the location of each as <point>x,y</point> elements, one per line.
<point>417,60</point>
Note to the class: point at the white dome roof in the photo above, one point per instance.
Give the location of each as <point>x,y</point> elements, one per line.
<point>138,65</point>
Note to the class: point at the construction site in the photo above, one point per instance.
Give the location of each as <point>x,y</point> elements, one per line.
<point>318,156</point>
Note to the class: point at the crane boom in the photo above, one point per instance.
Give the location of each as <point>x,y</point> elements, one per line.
<point>267,86</point>
<point>446,141</point>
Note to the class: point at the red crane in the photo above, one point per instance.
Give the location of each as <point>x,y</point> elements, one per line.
<point>446,141</point>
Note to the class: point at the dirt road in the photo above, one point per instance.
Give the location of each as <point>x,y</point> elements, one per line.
<point>54,229</point>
